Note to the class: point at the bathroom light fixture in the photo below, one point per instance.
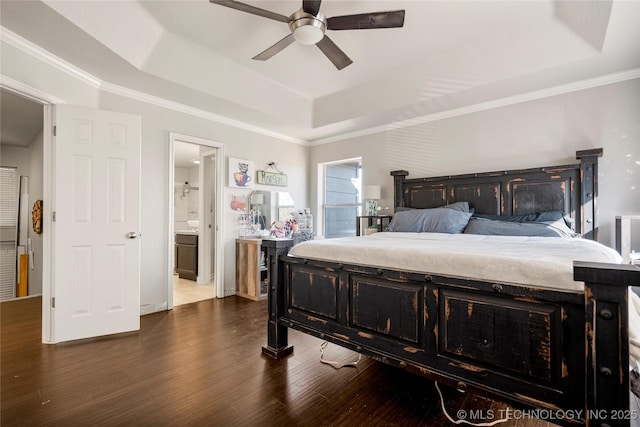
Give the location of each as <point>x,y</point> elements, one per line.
<point>195,161</point>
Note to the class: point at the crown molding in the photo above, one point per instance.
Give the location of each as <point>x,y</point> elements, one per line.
<point>47,57</point>
<point>29,92</point>
<point>43,55</point>
<point>489,105</point>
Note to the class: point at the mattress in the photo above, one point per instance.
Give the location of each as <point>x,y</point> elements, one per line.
<point>545,262</point>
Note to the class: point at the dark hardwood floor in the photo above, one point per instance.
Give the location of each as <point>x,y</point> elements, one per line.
<point>200,365</point>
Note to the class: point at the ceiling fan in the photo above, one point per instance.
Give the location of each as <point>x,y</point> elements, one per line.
<point>308,26</point>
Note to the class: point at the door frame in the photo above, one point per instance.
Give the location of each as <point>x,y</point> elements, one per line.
<point>217,215</point>
<point>48,101</point>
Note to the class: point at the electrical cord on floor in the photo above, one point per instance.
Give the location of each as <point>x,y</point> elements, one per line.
<point>336,365</point>
<point>446,414</point>
<point>339,365</point>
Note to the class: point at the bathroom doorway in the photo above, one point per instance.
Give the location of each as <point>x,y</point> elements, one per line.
<point>194,220</point>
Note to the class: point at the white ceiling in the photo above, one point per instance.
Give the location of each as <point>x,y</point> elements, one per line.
<point>449,55</point>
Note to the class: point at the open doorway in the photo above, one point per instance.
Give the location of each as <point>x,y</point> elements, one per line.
<point>21,185</point>
<point>194,220</point>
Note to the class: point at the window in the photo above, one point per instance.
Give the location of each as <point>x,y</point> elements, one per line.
<point>341,197</point>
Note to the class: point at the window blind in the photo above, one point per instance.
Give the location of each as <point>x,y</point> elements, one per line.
<point>8,197</point>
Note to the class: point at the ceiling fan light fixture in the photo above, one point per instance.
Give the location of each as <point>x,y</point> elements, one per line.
<point>306,28</point>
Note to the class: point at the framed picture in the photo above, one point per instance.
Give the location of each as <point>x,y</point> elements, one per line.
<point>241,173</point>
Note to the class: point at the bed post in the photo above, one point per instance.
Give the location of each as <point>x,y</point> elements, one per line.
<point>277,335</point>
<point>607,340</point>
<point>588,191</point>
<point>398,183</point>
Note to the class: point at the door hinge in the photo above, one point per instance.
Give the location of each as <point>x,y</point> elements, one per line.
<point>53,216</point>
<point>53,302</point>
<point>55,128</point>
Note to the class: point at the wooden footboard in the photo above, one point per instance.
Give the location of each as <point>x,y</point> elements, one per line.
<point>540,348</point>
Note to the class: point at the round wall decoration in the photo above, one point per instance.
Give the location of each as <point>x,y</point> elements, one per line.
<point>36,216</point>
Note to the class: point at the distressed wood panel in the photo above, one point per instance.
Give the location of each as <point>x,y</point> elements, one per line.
<point>540,196</point>
<point>484,198</point>
<point>314,291</point>
<point>390,309</point>
<point>499,333</point>
<point>427,196</point>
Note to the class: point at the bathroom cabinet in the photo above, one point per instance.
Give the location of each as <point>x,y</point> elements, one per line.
<point>187,256</point>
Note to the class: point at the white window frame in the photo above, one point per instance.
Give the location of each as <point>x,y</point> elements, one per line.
<point>321,193</point>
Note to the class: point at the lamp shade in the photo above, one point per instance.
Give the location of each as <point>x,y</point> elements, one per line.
<point>371,192</point>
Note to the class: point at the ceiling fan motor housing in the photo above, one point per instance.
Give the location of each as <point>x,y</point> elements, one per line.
<point>307,28</point>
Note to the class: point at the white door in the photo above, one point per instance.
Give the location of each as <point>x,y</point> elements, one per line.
<point>96,245</point>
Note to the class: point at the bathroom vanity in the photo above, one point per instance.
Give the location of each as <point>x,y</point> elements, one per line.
<point>187,254</point>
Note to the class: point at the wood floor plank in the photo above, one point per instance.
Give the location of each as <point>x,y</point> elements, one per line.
<point>200,365</point>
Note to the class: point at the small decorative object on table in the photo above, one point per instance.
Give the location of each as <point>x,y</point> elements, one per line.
<point>372,193</point>
<point>278,229</point>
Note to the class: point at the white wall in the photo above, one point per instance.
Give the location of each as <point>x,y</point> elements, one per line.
<point>157,122</point>
<point>185,206</point>
<point>538,133</point>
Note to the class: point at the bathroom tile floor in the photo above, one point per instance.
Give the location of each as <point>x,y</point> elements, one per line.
<point>188,291</point>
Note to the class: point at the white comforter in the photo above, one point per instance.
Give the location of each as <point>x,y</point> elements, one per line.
<point>538,261</point>
<point>545,262</point>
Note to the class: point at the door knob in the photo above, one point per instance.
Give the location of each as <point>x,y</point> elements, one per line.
<point>132,235</point>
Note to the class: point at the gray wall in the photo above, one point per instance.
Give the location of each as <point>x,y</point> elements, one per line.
<point>537,133</point>
<point>157,122</point>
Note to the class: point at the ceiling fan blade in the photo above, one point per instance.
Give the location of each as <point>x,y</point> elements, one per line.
<point>269,52</point>
<point>311,7</point>
<point>365,21</point>
<point>334,53</point>
<point>251,9</point>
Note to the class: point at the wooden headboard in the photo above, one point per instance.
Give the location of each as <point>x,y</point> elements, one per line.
<point>570,188</point>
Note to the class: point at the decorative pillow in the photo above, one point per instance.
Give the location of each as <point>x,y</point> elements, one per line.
<point>547,216</point>
<point>511,228</point>
<point>458,206</point>
<point>438,220</point>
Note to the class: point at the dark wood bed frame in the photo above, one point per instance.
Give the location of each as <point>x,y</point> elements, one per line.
<point>534,347</point>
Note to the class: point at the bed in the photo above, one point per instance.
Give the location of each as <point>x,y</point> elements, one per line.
<point>544,336</point>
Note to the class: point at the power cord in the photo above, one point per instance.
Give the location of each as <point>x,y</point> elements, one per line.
<point>336,365</point>
<point>446,414</point>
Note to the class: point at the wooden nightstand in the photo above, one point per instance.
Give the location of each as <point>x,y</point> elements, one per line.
<point>379,222</point>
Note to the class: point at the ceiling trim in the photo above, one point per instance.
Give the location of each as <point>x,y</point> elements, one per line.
<point>489,105</point>
<point>43,55</point>
<point>47,57</point>
<point>29,92</point>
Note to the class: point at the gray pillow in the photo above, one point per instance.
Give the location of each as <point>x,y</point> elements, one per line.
<point>547,216</point>
<point>458,206</point>
<point>508,228</point>
<point>438,220</point>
